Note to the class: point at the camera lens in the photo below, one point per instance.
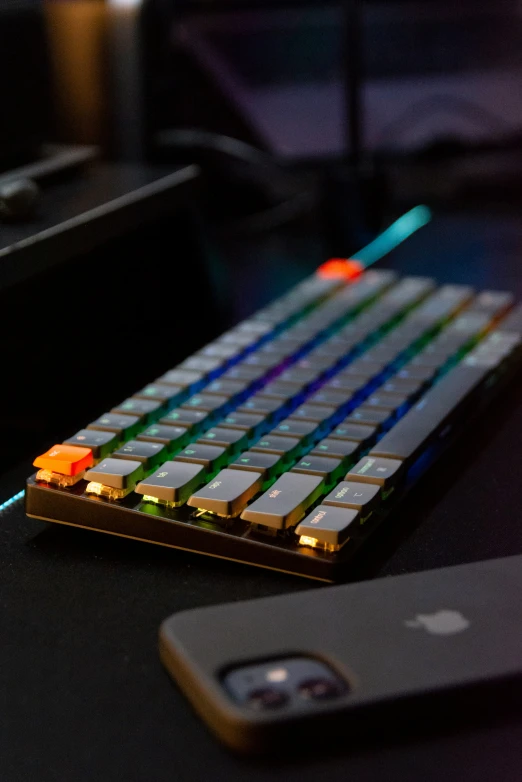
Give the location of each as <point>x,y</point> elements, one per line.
<point>320,689</point>
<point>267,698</point>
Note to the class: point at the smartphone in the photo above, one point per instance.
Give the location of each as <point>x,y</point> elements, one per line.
<point>296,670</point>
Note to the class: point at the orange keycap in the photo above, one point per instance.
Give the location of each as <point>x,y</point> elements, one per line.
<point>340,269</point>
<point>65,459</point>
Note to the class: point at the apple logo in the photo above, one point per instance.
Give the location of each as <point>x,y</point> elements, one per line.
<point>443,622</point>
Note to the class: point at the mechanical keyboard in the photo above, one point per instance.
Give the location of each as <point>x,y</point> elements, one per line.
<point>288,440</point>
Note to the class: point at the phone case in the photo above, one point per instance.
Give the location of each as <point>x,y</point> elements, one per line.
<point>444,633</point>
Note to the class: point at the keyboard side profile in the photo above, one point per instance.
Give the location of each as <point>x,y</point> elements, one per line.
<point>288,440</point>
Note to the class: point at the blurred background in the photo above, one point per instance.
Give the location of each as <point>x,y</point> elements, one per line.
<point>168,166</point>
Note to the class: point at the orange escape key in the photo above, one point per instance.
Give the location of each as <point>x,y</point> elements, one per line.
<point>65,459</point>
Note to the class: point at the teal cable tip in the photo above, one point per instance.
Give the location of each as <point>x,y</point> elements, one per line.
<point>11,500</point>
<point>392,237</point>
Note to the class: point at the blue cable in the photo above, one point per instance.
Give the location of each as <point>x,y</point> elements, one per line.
<point>393,236</point>
<point>12,500</point>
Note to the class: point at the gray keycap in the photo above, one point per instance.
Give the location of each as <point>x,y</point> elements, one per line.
<point>286,502</point>
<point>412,433</point>
<point>181,377</point>
<point>146,409</point>
<point>329,524</point>
<point>125,426</point>
<point>149,454</point>
<point>228,438</point>
<point>290,427</point>
<point>277,444</point>
<point>208,455</point>
<point>116,473</point>
<point>257,461</point>
<point>361,496</point>
<point>337,449</point>
<point>379,471</point>
<point>173,482</point>
<point>171,436</point>
<point>318,465</point>
<point>100,443</point>
<point>162,392</point>
<point>228,493</point>
<point>208,403</point>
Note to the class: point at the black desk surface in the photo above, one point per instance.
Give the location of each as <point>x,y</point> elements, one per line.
<point>82,693</point>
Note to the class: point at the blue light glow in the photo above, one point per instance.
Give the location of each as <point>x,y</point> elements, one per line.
<point>11,500</point>
<point>398,231</point>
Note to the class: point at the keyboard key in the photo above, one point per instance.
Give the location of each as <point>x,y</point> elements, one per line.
<point>171,436</point>
<point>210,456</point>
<point>149,454</point>
<point>314,413</point>
<point>116,473</point>
<point>284,446</point>
<point>192,420</point>
<point>380,355</point>
<point>264,361</point>
<point>349,430</point>
<point>372,469</point>
<point>398,385</point>
<point>65,459</point>
<point>228,493</point>
<point>411,372</point>
<point>281,391</point>
<point>262,405</point>
<point>381,400</point>
<point>229,438</point>
<point>336,399</point>
<point>364,368</point>
<point>328,525</point>
<point>247,422</point>
<point>327,468</point>
<point>173,482</point>
<point>257,461</point>
<point>227,388</point>
<point>430,359</point>
<point>209,403</point>
<point>316,361</point>
<point>495,303</point>
<point>291,427</point>
<point>242,372</point>
<point>219,350</point>
<point>161,392</point>
<point>125,426</point>
<point>347,383</point>
<point>286,502</point>
<point>338,449</point>
<point>146,410</point>
<point>204,364</point>
<point>444,303</point>
<point>184,378</point>
<point>361,496</point>
<point>368,416</point>
<point>335,349</point>
<point>275,349</point>
<point>100,443</point>
<point>243,339</point>
<point>256,326</point>
<point>300,377</point>
<point>431,414</point>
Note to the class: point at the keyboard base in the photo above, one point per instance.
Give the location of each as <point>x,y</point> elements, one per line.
<point>177,529</point>
<point>57,506</point>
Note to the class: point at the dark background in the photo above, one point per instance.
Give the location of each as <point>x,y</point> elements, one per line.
<point>82,693</point>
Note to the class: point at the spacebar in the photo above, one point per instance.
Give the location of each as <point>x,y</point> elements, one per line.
<point>432,414</point>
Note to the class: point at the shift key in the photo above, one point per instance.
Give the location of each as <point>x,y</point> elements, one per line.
<point>286,502</point>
